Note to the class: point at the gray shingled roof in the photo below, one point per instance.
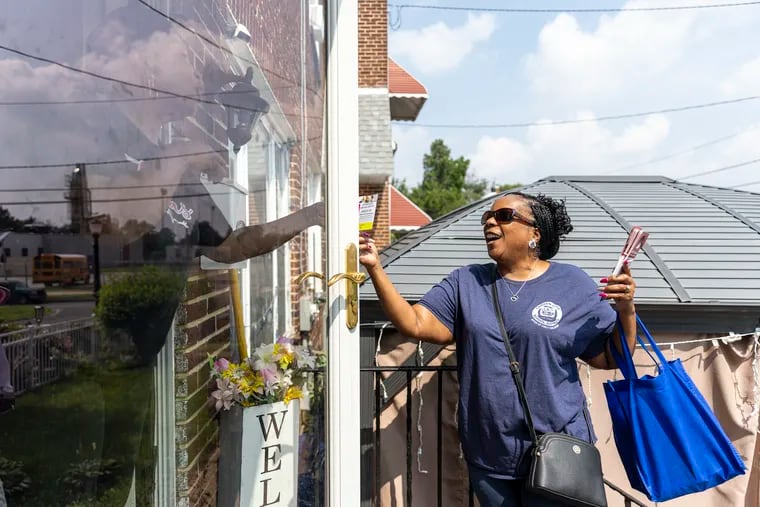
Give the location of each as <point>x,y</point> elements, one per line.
<point>704,243</point>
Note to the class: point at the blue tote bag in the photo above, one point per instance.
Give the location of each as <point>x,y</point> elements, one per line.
<point>669,440</point>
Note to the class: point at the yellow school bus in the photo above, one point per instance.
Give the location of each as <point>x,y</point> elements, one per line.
<point>64,269</point>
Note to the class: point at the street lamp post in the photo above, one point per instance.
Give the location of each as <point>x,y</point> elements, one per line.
<point>96,228</point>
<point>39,314</point>
<point>163,207</point>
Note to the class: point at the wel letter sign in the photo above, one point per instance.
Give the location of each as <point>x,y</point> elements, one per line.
<point>269,464</point>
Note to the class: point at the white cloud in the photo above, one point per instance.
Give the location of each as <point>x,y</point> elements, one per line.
<point>495,158</point>
<point>621,50</point>
<point>643,136</point>
<point>439,48</point>
<point>745,145</point>
<point>580,148</point>
<point>744,81</point>
<point>575,66</point>
<point>638,61</point>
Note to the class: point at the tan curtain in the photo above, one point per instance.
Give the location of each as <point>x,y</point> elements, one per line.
<point>723,373</point>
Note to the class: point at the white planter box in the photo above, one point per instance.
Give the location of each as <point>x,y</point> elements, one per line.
<point>258,466</point>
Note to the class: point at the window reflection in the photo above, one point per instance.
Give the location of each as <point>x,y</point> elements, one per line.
<point>145,150</point>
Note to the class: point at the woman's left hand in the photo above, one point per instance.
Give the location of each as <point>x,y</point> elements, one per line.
<point>619,288</point>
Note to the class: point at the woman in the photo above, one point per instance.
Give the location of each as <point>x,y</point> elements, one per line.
<point>554,314</point>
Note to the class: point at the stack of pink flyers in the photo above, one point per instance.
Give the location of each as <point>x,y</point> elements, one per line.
<point>635,242</point>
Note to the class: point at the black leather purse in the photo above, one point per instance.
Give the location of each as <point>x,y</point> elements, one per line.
<point>562,468</point>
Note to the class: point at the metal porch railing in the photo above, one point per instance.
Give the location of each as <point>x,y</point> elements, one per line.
<point>409,372</point>
<point>402,384</point>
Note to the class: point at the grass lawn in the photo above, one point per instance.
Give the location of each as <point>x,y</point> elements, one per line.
<point>9,313</point>
<point>94,415</point>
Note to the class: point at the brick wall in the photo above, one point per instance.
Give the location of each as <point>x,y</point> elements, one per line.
<point>203,322</point>
<point>203,319</point>
<point>381,232</point>
<point>275,27</point>
<point>298,245</point>
<point>373,43</point>
<point>202,328</point>
<point>375,151</point>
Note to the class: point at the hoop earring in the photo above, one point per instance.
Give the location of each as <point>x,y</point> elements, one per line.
<point>532,244</point>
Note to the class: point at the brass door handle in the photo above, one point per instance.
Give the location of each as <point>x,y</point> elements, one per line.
<point>352,277</point>
<point>309,274</point>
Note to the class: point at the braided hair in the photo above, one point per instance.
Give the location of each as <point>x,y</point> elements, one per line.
<point>552,221</point>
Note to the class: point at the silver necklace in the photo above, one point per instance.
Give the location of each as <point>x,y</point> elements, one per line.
<point>514,296</point>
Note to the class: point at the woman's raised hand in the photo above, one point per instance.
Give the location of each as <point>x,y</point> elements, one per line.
<point>368,255</point>
<point>619,288</point>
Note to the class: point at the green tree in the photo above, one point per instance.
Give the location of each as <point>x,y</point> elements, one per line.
<point>445,184</point>
<point>507,186</point>
<point>401,186</point>
<point>10,223</point>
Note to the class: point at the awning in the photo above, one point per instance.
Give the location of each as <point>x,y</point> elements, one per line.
<point>407,95</point>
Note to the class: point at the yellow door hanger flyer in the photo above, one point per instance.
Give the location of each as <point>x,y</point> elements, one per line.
<point>367,209</point>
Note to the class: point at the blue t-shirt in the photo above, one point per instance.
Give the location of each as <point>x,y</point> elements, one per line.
<point>558,317</point>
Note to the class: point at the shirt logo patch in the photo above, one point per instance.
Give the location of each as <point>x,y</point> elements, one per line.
<point>176,212</point>
<point>547,315</point>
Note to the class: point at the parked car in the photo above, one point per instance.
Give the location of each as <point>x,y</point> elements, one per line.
<point>19,293</point>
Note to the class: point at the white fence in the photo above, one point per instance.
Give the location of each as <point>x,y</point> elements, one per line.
<point>40,355</point>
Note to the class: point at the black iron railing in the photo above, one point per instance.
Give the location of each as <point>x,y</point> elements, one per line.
<point>408,373</point>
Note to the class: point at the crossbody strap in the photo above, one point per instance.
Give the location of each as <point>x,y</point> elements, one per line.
<point>514,366</point>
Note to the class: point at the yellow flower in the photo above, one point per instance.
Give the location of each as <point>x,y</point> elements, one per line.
<point>285,361</point>
<point>283,356</point>
<point>293,393</point>
<point>251,383</point>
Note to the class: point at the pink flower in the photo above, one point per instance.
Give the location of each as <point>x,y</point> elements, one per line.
<point>269,375</point>
<point>224,394</point>
<point>285,343</point>
<point>221,365</point>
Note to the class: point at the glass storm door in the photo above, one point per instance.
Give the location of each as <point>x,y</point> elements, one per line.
<point>168,179</point>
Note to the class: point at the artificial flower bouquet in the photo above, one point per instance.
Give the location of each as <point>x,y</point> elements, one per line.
<point>275,372</point>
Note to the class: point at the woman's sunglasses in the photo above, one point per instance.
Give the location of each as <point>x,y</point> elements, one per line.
<point>505,216</point>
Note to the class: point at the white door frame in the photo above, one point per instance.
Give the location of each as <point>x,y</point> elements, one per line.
<point>343,394</point>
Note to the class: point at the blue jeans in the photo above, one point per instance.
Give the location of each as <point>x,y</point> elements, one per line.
<point>493,492</point>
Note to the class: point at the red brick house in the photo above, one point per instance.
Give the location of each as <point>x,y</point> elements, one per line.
<point>387,92</point>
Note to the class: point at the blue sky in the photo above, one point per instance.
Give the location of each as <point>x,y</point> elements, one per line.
<point>504,68</point>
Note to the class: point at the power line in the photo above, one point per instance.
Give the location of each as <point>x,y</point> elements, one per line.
<point>116,100</point>
<point>121,161</point>
<point>584,120</point>
<point>676,154</point>
<point>113,79</point>
<point>124,187</point>
<point>748,184</point>
<point>109,162</point>
<point>104,201</point>
<point>517,10</point>
<point>141,99</point>
<point>721,169</point>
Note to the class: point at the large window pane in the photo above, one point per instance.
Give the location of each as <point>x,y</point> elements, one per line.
<point>160,173</point>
